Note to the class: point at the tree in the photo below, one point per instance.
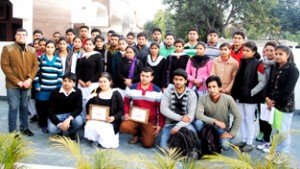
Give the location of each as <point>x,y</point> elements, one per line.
<point>163,20</point>
<point>288,13</point>
<point>218,14</point>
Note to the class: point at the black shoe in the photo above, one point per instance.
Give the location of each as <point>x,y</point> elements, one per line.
<point>27,132</point>
<point>72,136</point>
<point>34,119</point>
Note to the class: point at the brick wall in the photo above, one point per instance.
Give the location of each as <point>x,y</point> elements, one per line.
<point>51,16</point>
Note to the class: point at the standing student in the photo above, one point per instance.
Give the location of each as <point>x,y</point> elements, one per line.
<point>70,35</point>
<point>78,52</point>
<point>42,45</point>
<point>212,48</point>
<point>18,79</point>
<point>55,38</point>
<point>105,133</point>
<point>280,93</point>
<point>88,71</point>
<point>36,44</point>
<point>198,69</point>
<point>176,60</point>
<point>109,33</point>
<point>130,38</point>
<point>106,55</point>
<point>146,95</point>
<point>142,50</point>
<point>36,34</point>
<point>129,69</point>
<point>65,108</point>
<point>178,105</point>
<point>95,32</point>
<point>247,90</point>
<point>168,48</point>
<point>83,34</point>
<point>49,78</point>
<point>225,67</point>
<point>158,64</point>
<point>190,47</point>
<point>113,45</point>
<point>236,49</point>
<point>156,36</point>
<point>268,60</point>
<point>65,54</point>
<point>117,58</point>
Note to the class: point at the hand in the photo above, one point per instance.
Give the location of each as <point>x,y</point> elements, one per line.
<point>185,118</point>
<point>128,82</point>
<point>226,135</point>
<point>270,103</point>
<point>88,117</point>
<point>196,83</point>
<point>225,91</point>
<point>220,124</point>
<point>174,130</point>
<point>81,83</point>
<point>157,130</point>
<point>38,89</point>
<point>66,124</point>
<point>20,84</point>
<point>127,117</point>
<point>88,83</point>
<point>27,83</point>
<point>163,89</point>
<point>110,119</point>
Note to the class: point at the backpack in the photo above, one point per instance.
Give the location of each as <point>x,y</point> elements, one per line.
<point>187,141</point>
<point>210,140</point>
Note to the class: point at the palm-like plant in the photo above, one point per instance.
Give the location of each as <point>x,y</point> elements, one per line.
<point>102,159</point>
<point>13,148</point>
<point>244,160</point>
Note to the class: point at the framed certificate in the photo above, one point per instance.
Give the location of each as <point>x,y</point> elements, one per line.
<point>139,114</point>
<point>97,112</point>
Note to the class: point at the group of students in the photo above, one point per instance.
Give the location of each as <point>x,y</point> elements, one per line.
<point>181,85</point>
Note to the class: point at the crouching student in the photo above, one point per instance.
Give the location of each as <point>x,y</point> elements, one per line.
<point>106,132</point>
<point>144,95</point>
<point>178,105</point>
<point>65,108</point>
<point>214,108</point>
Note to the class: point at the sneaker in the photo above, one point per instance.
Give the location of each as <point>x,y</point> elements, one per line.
<point>240,144</point>
<point>27,132</point>
<point>34,119</point>
<point>263,146</point>
<point>45,130</point>
<point>94,144</point>
<point>134,140</point>
<point>260,137</point>
<point>267,149</point>
<point>247,148</point>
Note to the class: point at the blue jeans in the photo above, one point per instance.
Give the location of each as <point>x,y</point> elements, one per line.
<point>75,124</point>
<point>166,133</point>
<point>18,102</point>
<point>284,146</point>
<point>199,125</point>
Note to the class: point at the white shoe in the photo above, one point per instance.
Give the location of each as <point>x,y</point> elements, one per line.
<point>263,146</point>
<point>266,150</point>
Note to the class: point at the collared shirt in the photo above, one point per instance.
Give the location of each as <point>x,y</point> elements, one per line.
<point>62,90</point>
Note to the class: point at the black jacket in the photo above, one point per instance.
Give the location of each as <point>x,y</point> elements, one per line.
<point>245,80</point>
<point>281,86</point>
<point>116,108</point>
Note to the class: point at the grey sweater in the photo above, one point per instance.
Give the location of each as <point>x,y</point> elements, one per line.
<point>166,106</point>
<point>208,111</point>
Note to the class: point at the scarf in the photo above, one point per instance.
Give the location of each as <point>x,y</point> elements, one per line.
<point>199,61</point>
<point>268,63</point>
<point>132,66</point>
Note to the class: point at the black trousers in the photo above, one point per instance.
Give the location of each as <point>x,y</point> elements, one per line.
<point>265,128</point>
<point>42,111</point>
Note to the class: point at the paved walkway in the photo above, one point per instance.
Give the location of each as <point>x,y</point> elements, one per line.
<point>49,156</point>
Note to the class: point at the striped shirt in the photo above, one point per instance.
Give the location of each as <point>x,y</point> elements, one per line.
<point>51,76</point>
<point>147,99</point>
